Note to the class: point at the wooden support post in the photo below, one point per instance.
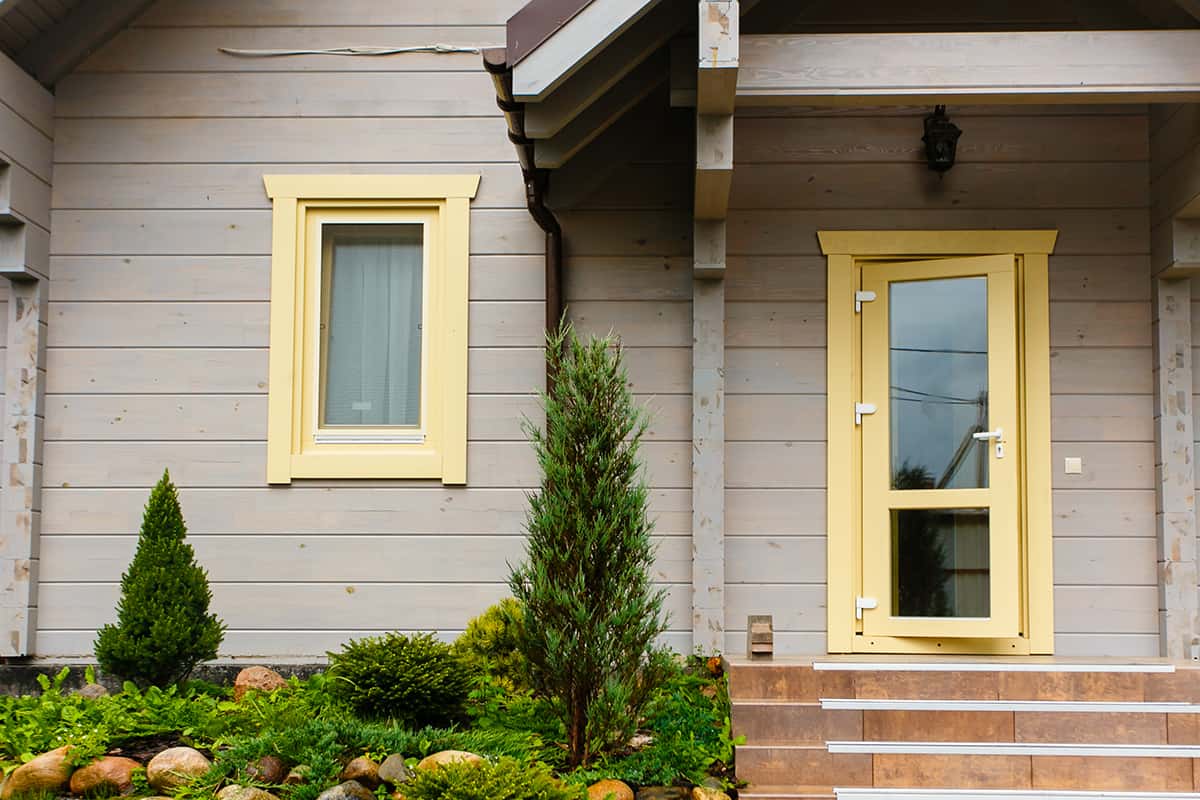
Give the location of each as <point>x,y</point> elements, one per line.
<point>708,465</point>
<point>1179,602</point>
<point>20,507</point>
<point>714,165</point>
<point>716,78</point>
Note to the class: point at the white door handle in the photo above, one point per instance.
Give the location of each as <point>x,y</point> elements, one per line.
<point>984,435</point>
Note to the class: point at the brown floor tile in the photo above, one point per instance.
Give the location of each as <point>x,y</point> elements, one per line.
<point>764,724</point>
<point>815,766</point>
<point>1072,728</point>
<point>1098,686</point>
<point>1105,773</point>
<point>775,682</point>
<point>938,726</point>
<point>1181,686</point>
<point>926,685</point>
<point>1183,728</point>
<point>951,771</point>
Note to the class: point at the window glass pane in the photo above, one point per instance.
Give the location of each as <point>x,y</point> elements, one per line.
<point>371,324</point>
<point>939,383</point>
<point>941,563</point>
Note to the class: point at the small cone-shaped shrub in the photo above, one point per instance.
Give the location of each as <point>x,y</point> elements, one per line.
<point>163,625</point>
<point>592,613</point>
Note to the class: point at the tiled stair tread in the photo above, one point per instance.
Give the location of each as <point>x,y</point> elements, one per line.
<point>1008,749</point>
<point>1004,794</point>
<point>785,792</point>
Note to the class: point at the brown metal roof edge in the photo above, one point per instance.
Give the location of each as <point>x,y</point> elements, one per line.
<point>536,22</point>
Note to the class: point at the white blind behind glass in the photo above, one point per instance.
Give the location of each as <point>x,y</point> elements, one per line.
<point>371,278</point>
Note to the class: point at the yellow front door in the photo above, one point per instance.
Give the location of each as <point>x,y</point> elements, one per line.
<point>941,515</point>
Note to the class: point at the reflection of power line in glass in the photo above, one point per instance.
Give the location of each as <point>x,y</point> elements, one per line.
<point>946,399</point>
<point>938,350</point>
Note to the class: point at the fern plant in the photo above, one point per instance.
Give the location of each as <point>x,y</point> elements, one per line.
<point>164,627</point>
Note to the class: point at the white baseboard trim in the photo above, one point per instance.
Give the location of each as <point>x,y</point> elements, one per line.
<point>1004,794</point>
<point>1056,706</point>
<point>984,666</point>
<point>1018,749</point>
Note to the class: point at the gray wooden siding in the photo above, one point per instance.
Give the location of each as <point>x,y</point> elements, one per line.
<point>23,21</point>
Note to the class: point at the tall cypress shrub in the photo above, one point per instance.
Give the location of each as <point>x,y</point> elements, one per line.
<point>163,625</point>
<point>591,611</point>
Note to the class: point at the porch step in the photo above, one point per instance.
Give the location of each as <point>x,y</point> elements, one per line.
<point>1003,794</point>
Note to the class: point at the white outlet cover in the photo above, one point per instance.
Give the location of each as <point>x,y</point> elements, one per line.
<point>1073,466</point>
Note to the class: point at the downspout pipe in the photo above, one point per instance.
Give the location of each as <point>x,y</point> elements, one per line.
<point>536,181</point>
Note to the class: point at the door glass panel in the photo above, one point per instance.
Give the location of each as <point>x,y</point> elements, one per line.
<point>939,383</point>
<point>941,562</point>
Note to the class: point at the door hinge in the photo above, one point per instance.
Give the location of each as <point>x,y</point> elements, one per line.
<point>861,410</point>
<point>860,298</point>
<point>864,603</point>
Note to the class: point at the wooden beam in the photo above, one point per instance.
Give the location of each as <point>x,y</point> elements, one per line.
<point>708,249</point>
<point>1176,247</point>
<point>594,79</point>
<point>714,165</point>
<point>575,44</point>
<point>60,49</point>
<point>1175,518</point>
<point>977,68</point>
<point>717,67</point>
<point>554,152</point>
<point>9,6</point>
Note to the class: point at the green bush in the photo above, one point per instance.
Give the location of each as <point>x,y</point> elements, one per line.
<point>592,612</point>
<point>507,779</point>
<point>415,680</point>
<point>163,625</point>
<point>492,643</point>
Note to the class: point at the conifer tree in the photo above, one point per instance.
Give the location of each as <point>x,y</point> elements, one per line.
<point>591,611</point>
<point>163,625</point>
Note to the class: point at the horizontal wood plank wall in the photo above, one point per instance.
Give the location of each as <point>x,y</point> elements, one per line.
<point>1082,171</point>
<point>159,305</point>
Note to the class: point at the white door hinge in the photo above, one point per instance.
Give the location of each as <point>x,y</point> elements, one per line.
<point>860,298</point>
<point>862,603</point>
<point>861,410</point>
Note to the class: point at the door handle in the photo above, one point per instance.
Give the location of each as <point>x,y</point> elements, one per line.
<point>996,435</point>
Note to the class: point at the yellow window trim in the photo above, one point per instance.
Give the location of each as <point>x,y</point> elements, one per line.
<point>846,251</point>
<point>442,204</point>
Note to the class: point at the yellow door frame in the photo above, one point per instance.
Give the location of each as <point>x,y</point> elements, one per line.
<point>846,252</point>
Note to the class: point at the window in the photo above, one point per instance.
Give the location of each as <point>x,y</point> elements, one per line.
<point>368,362</point>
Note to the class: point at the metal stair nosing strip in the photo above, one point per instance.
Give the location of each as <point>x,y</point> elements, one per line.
<point>1002,794</point>
<point>1035,706</point>
<point>1013,749</point>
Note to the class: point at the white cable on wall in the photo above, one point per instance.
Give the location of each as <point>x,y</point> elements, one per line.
<point>353,51</point>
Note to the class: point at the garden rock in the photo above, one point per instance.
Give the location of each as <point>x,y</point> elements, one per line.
<point>106,776</point>
<point>48,773</point>
<point>448,757</point>
<point>708,793</point>
<point>363,770</point>
<point>664,793</point>
<point>175,767</point>
<point>91,691</point>
<point>297,775</point>
<point>393,770</point>
<point>258,678</point>
<point>602,789</point>
<point>235,792</point>
<point>350,790</point>
<point>268,769</point>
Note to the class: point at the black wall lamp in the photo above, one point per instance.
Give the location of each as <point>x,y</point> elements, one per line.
<point>941,140</point>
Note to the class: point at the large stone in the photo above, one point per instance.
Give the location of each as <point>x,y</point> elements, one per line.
<point>48,773</point>
<point>350,790</point>
<point>91,691</point>
<point>394,771</point>
<point>708,793</point>
<point>609,790</point>
<point>268,769</point>
<point>235,792</point>
<point>363,770</point>
<point>664,793</point>
<point>448,757</point>
<point>106,776</point>
<point>258,678</point>
<point>176,767</point>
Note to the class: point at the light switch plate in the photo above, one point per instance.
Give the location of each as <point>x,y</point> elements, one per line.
<point>1073,466</point>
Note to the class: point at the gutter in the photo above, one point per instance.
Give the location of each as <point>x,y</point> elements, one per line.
<point>537,182</point>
